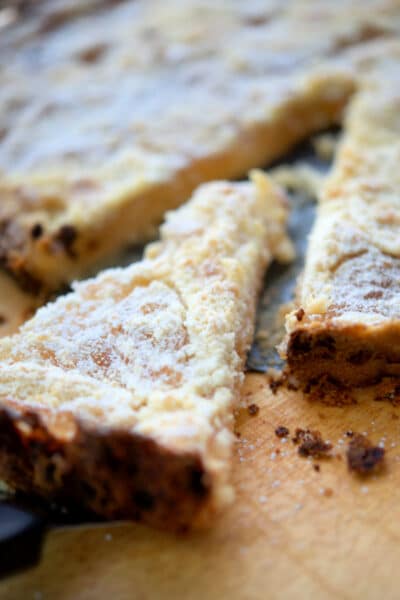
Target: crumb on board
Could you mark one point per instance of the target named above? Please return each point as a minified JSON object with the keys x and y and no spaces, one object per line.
{"x":281,"y":431}
{"x":3,"y":320}
{"x":324,"y":145}
{"x":311,"y":443}
{"x":363,"y":457}
{"x":329,"y":391}
{"x":275,"y":384}
{"x":327,"y":492}
{"x":317,"y":468}
{"x":253,"y":409}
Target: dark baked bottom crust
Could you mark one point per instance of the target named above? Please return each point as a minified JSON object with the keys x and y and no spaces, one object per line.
{"x":352,"y":356}
{"x":114,"y":473}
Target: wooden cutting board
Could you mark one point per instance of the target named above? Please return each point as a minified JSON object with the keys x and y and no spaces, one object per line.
{"x":293,"y":532}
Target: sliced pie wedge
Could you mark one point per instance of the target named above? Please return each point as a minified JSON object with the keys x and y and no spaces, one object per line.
{"x":120,"y":395}
{"x":347,"y":324}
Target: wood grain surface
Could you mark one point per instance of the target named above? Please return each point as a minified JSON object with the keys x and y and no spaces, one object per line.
{"x":293,"y":532}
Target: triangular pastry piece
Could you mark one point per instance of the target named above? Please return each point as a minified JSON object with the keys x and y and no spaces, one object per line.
{"x":120,"y":395}
{"x":346,"y":326}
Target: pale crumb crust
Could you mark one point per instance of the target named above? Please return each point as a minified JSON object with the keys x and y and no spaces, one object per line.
{"x":325,"y":145}
{"x":112,"y":113}
{"x":300,"y":177}
{"x":120,"y":396}
{"x":346,"y":326}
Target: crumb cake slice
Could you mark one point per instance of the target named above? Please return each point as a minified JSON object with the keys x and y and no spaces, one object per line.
{"x":120,"y":395}
{"x":112,"y":113}
{"x":347,"y":323}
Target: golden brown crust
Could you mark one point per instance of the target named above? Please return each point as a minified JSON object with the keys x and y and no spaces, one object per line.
{"x":116,"y":474}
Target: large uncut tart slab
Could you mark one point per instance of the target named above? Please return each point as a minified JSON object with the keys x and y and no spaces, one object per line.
{"x":113,"y":112}
{"x":120,"y":395}
{"x":347,"y":323}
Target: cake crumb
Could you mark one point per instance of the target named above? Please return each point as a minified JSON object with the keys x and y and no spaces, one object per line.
{"x":327,"y":492}
{"x":299,"y":177}
{"x":363,"y":457}
{"x":253,"y":409}
{"x":325,"y":145}
{"x":281,"y":431}
{"x":275,"y":384}
{"x":317,"y":468}
{"x":311,"y":443}
{"x":299,"y":314}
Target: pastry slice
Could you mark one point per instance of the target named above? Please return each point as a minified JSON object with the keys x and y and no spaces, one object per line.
{"x":112,"y":113}
{"x":119,"y":397}
{"x":347,"y":323}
